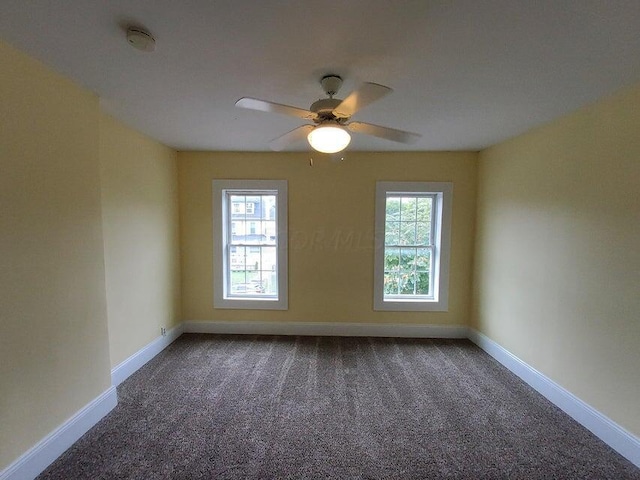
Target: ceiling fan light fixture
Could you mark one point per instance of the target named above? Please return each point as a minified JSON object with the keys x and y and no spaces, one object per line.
{"x":329,"y":138}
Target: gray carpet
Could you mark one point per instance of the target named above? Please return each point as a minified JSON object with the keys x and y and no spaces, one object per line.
{"x":263,"y":407}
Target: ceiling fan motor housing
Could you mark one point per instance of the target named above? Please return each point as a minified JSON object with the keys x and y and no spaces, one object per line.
{"x":324,"y":108}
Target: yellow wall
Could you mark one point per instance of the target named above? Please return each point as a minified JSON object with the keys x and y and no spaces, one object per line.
{"x":557,"y":278}
{"x":331,"y":221}
{"x":54,"y":353}
{"x":140,"y":224}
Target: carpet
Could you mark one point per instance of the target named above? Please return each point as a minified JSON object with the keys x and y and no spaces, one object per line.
{"x":276,"y":407}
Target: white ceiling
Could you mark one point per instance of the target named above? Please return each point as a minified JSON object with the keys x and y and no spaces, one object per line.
{"x":466,"y":74}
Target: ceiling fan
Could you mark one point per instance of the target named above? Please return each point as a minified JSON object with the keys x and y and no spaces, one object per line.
{"x":330,"y":131}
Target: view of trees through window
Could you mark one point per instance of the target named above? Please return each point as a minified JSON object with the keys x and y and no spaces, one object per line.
{"x":408,"y":245}
{"x":252,"y":260}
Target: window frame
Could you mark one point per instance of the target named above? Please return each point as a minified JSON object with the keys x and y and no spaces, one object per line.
{"x":222,"y":224}
{"x":441,"y":226}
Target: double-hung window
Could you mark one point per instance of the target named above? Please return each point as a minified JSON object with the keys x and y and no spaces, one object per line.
{"x":250,"y":244}
{"x":413,"y":225}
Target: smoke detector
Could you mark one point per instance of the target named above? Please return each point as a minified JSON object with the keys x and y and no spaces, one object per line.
{"x":141,"y":39}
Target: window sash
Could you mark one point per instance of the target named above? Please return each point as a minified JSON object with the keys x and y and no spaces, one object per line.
{"x":415,"y":271}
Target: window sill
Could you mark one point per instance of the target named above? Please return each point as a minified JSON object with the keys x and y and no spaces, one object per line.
{"x":249,"y":303}
{"x":410,"y":306}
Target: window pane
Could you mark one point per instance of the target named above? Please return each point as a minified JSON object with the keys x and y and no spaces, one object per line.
{"x":392,"y":212}
{"x":423,"y":227}
{"x":269,"y":232}
{"x":408,"y":208}
{"x":423,"y":233}
{"x":268,"y":207}
{"x":268,"y":260}
{"x":423,"y":259}
{"x":424,"y":209}
{"x":392,"y":259}
{"x":237,"y":206}
{"x":270,"y":282}
{"x":407,"y":282}
{"x":423,"y":283}
{"x":392,"y":233}
{"x":390,"y":283}
{"x":407,"y":258}
{"x":253,"y":258}
{"x":238,"y":281}
{"x":423,"y":271}
{"x":238,"y":229}
{"x":408,"y":233}
{"x":237,"y":258}
{"x":251,"y":202}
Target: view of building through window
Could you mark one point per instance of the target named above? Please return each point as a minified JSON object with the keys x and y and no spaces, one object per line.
{"x":252,"y":243}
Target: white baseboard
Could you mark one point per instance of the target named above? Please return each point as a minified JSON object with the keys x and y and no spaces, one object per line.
{"x":622,"y":441}
{"x":328,"y":329}
{"x":41,"y":455}
{"x":123,"y":370}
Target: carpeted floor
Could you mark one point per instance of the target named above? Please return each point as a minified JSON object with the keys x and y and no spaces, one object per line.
{"x":267,"y":407}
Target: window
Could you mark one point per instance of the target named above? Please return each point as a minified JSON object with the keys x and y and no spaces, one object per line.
{"x":250,"y":244}
{"x":413,"y":230}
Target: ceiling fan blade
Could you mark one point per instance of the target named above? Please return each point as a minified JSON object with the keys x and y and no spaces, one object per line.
{"x":383,"y":132}
{"x":264,"y":106}
{"x":293,"y":136}
{"x":367,"y":93}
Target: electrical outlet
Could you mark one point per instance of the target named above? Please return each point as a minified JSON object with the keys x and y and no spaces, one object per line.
{"x":163,"y":331}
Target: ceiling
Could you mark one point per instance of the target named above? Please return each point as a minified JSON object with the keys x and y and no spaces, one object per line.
{"x":466,"y":74}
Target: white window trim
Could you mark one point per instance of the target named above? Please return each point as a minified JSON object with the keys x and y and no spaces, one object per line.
{"x":444,"y":193}
{"x":220,"y":222}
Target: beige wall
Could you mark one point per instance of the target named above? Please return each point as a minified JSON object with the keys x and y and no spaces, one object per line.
{"x":557,"y":278}
{"x":54,"y":353}
{"x":331,"y":220}
{"x":140,"y":224}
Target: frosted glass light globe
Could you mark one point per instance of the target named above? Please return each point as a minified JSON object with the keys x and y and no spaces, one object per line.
{"x":329,"y":138}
